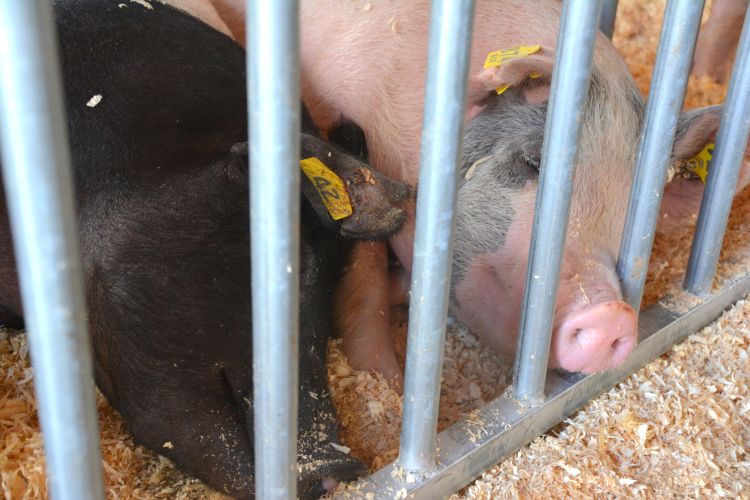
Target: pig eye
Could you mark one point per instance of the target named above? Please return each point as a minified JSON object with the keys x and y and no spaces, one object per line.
{"x":532,"y":161}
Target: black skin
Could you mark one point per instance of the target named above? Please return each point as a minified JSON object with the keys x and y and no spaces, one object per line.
{"x":162,"y":196}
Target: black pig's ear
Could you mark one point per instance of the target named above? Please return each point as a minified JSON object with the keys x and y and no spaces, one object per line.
{"x":349,"y":137}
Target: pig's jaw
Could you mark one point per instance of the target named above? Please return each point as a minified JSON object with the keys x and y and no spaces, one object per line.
{"x":593,"y":329}
{"x":489,"y":306}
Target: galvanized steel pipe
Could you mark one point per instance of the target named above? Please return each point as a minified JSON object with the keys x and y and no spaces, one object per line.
{"x":274,"y":117}
{"x":607,"y":18}
{"x":39,"y":186}
{"x":442,"y":134}
{"x":570,"y":83}
{"x":676,"y":45}
{"x":723,"y":173}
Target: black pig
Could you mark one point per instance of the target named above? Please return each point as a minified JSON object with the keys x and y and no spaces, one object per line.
{"x":156,"y":107}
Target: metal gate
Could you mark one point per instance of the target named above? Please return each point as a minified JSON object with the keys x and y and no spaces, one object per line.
{"x":37,"y":177}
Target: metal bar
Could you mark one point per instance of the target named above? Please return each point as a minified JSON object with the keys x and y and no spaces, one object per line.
{"x":39,"y":186}
{"x":497,"y":430}
{"x":723,"y":173}
{"x":274,"y":117}
{"x":681,"y":21}
{"x":445,"y":102}
{"x":570,"y":83}
{"x":607,"y":19}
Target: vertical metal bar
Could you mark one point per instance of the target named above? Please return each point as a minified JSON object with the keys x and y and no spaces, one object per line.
{"x":442,"y":132}
{"x":681,"y":21}
{"x":570,"y":83}
{"x":607,"y":18}
{"x":274,"y":115}
{"x":724,"y":171}
{"x":39,"y":186}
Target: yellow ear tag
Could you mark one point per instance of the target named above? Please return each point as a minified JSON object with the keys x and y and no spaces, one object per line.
{"x":698,"y":164}
{"x":330,"y":187}
{"x":502,"y":88}
{"x":497,"y":58}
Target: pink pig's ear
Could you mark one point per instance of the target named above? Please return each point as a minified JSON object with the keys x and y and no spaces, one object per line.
{"x":511,"y":73}
{"x":695,"y":129}
{"x":682,"y":197}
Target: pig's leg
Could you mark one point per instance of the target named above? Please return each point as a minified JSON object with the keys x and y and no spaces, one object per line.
{"x":718,"y":39}
{"x":203,"y":430}
{"x":362,"y":312}
{"x":10,"y":293}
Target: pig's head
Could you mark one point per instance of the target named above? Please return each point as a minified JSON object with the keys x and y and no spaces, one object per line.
{"x":594,"y":329}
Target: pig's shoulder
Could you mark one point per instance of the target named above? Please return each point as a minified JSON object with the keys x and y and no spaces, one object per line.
{"x":160,"y":88}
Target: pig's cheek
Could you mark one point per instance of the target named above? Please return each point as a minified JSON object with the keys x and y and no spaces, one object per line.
{"x":488,"y":307}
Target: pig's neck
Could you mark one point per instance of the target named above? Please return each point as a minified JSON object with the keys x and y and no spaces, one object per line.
{"x":382,"y":96}
{"x":380,"y":93}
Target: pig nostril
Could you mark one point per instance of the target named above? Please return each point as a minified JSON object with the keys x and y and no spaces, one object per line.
{"x":576,"y":332}
{"x":615,"y":344}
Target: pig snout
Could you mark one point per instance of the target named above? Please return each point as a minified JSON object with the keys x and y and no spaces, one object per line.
{"x":595,"y":338}
{"x":325,"y":477}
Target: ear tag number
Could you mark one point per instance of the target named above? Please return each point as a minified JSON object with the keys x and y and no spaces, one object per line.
{"x":330,"y":187}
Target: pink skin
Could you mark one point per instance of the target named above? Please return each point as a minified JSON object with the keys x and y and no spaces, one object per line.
{"x":365,"y":61}
{"x":593,"y":329}
{"x":718,"y":38}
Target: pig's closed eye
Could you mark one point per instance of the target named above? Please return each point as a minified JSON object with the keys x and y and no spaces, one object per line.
{"x":532,"y":161}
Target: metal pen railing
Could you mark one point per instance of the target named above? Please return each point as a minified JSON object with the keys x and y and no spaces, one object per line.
{"x":442,"y":134}
{"x":575,"y":49}
{"x":37,"y":176}
{"x":724,"y":170}
{"x":667,"y":93}
{"x":39,"y":185}
{"x":274,"y":125}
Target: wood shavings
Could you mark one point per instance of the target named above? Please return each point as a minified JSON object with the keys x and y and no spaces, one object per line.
{"x":144,"y":3}
{"x":680,"y":427}
{"x":342,"y":449}
{"x":94,"y":101}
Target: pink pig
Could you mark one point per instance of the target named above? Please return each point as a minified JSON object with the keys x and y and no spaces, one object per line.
{"x":718,"y":38}
{"x":364,"y":62}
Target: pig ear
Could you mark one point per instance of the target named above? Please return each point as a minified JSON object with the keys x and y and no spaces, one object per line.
{"x":512,"y":73}
{"x":682,"y":197}
{"x":695,"y":129}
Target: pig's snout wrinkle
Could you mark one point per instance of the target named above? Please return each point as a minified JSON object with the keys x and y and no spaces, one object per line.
{"x":597,"y":337}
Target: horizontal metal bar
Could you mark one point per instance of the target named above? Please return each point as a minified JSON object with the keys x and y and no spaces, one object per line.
{"x":445,"y":99}
{"x":39,"y":187}
{"x":274,"y":118}
{"x":681,"y":21}
{"x":499,"y":429}
{"x":570,"y":83}
{"x":724,"y":169}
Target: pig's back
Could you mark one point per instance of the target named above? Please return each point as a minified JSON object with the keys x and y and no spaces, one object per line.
{"x":150,"y":117}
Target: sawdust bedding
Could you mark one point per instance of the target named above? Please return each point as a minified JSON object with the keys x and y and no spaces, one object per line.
{"x":678,"y":427}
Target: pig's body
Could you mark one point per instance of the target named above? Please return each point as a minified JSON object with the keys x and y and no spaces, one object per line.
{"x":495,"y":205}
{"x":366,"y":61}
{"x":162,"y":199}
{"x":718,"y":38}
